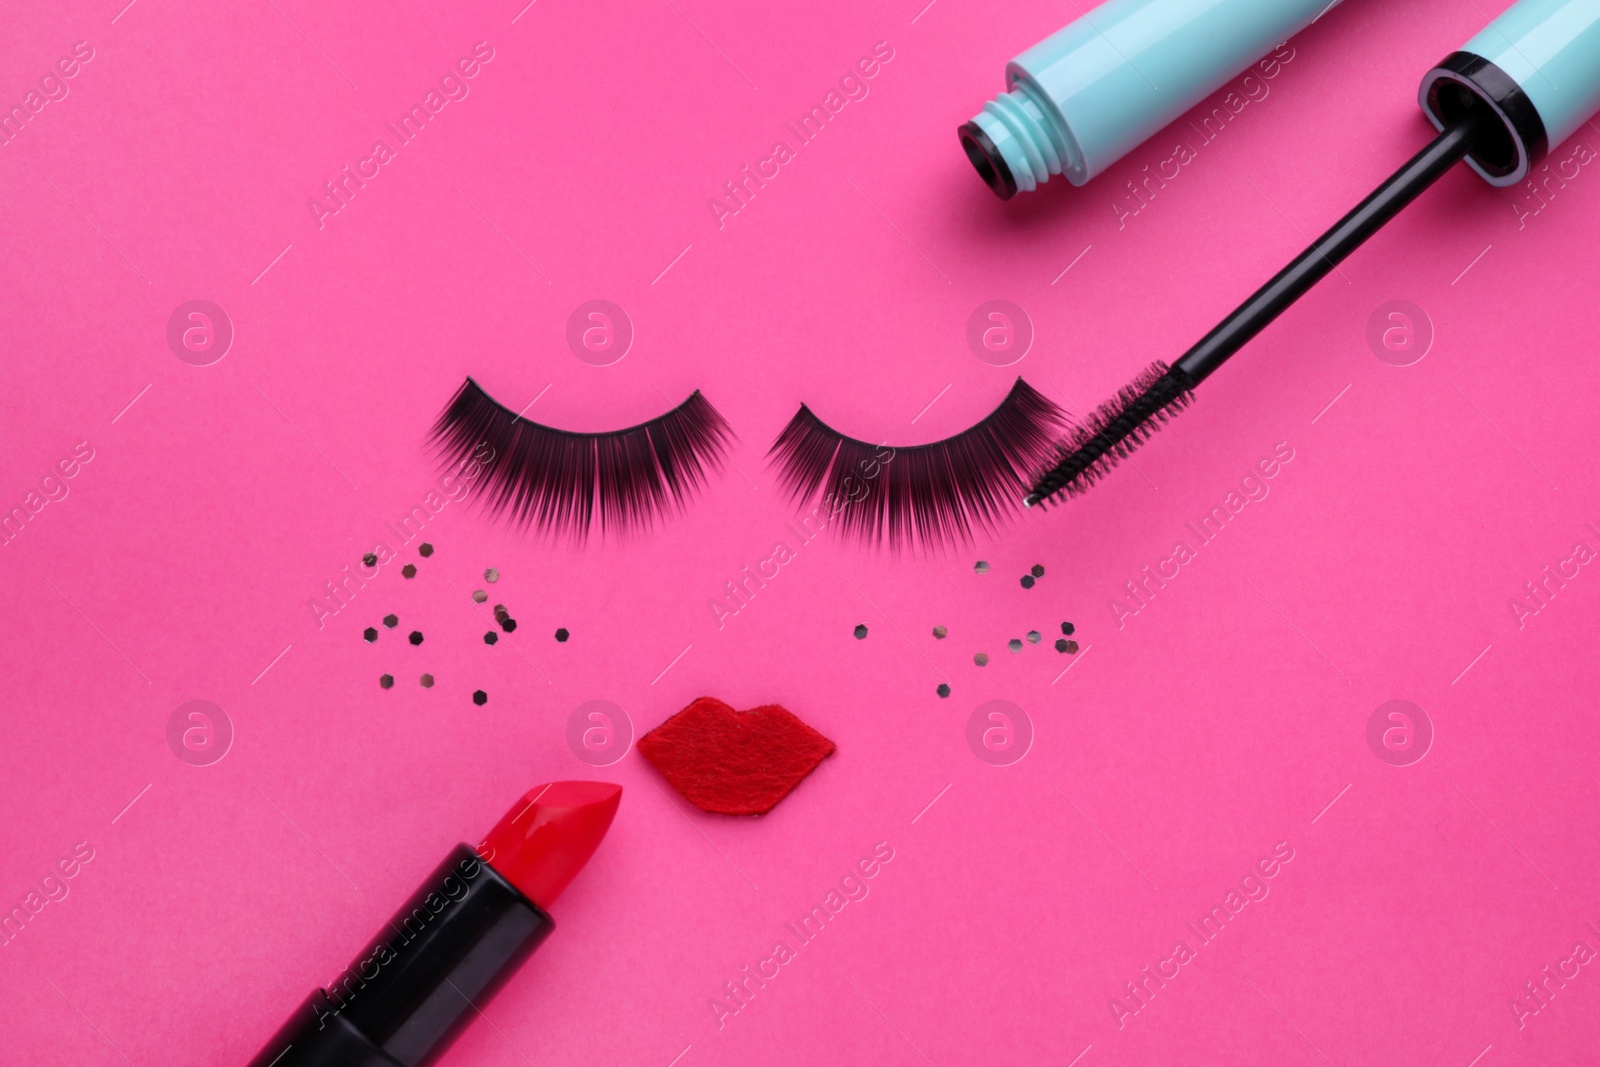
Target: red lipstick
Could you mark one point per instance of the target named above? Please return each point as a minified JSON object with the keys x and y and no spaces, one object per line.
{"x":454,"y":943}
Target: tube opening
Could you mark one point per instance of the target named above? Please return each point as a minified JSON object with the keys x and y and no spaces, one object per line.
{"x":1493,"y":148}
{"x":1505,"y":149}
{"x":987,"y":160}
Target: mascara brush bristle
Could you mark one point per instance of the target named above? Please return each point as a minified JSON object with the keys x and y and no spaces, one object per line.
{"x":1112,"y":432}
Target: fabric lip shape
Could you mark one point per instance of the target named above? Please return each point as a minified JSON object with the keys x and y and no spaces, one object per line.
{"x":730,"y":762}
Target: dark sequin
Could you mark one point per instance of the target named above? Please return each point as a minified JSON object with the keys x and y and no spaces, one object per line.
{"x":425,"y":550}
{"x":491,"y":637}
{"x":427,"y":681}
{"x":1038,"y":571}
{"x":409,"y":570}
{"x":391,"y":621}
{"x":1067,"y":628}
{"x":386,"y":680}
{"x":1027,"y":581}
{"x":479,"y":697}
{"x":370,"y":633}
{"x":416,"y":637}
{"x":861,"y":631}
{"x":562,"y":634}
{"x":943,"y":690}
{"x":508,"y":624}
{"x":370,"y":559}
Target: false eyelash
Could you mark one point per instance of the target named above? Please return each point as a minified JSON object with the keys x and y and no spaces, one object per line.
{"x":930,"y":495}
{"x":563,"y":482}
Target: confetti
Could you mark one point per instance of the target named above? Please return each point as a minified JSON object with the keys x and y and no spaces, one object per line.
{"x":416,"y":637}
{"x":479,"y":596}
{"x":491,"y":575}
{"x":1034,"y":637}
{"x":562,"y":634}
{"x":1027,"y":581}
{"x":508,"y":625}
{"x":386,"y":680}
{"x":491,"y":637}
{"x":409,"y":570}
{"x":1015,"y":644}
{"x":425,"y":550}
{"x":981,"y":567}
{"x":940,"y":633}
{"x":1067,"y":628}
{"x":370,"y":559}
{"x":1038,"y":571}
{"x":861,"y":631}
{"x":1061,"y":644}
{"x":1072,"y":648}
{"x":427,"y":681}
{"x":479,"y":697}
{"x":370,"y":633}
{"x":943,"y":690}
{"x":391,"y":621}
{"x":981,"y":659}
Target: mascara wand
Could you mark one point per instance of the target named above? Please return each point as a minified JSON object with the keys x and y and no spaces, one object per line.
{"x":1526,"y":82}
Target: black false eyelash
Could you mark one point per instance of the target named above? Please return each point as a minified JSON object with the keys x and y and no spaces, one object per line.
{"x":563,"y":482}
{"x":929,"y":495}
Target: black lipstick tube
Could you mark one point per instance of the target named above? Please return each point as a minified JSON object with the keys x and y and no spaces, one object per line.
{"x":408,"y":994}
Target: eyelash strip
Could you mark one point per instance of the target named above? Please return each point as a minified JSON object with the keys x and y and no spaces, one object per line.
{"x":929,"y":495}
{"x":563,"y":482}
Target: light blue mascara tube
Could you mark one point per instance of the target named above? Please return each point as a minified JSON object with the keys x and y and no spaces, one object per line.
{"x":1537,"y":67}
{"x":1086,"y":96}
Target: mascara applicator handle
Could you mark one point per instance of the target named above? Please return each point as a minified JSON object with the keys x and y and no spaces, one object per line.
{"x":1121,"y":425}
{"x":1521,"y":86}
{"x":1524,"y":84}
{"x":1329,"y":250}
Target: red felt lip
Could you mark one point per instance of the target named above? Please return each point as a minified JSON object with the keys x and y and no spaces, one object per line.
{"x":734,"y":762}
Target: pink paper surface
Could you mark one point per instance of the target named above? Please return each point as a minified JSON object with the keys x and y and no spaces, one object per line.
{"x":1227,"y":717}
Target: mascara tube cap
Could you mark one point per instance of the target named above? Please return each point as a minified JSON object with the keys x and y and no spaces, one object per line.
{"x":1089,"y":94}
{"x":1537,"y":67}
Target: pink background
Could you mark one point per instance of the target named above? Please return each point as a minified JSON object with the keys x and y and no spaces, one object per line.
{"x":1221,"y":719}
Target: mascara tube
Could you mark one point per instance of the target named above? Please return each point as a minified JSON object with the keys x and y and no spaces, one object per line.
{"x":1537,"y":68}
{"x":1089,"y":94}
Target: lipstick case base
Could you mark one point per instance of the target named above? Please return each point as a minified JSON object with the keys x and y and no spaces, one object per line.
{"x":403,"y":1000}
